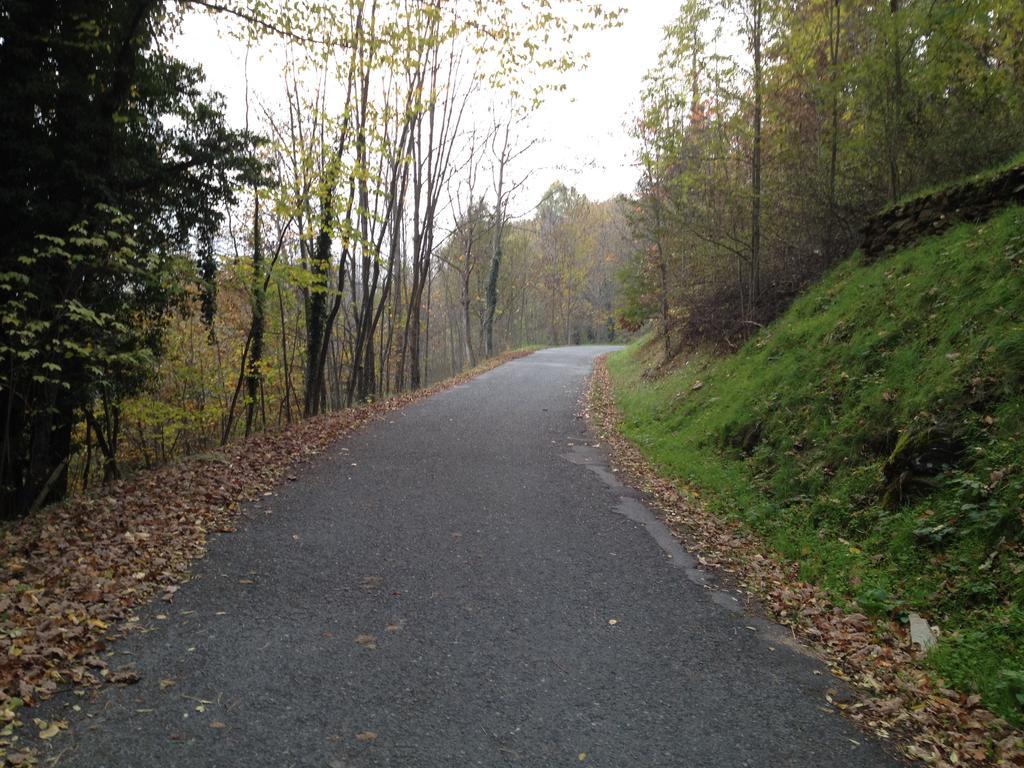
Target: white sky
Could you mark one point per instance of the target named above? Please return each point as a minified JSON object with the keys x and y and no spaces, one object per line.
{"x":585,"y":140}
{"x":588,"y":144}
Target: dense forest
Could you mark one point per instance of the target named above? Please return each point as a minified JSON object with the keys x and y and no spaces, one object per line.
{"x":771,"y":131}
{"x":170,"y":282}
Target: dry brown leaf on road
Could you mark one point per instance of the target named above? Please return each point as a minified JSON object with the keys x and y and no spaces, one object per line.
{"x":367,"y":641}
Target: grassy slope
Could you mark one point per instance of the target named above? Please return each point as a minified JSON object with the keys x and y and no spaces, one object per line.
{"x":931,"y":334}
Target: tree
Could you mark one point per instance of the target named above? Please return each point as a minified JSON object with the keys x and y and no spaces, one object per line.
{"x":504,"y":152}
{"x":119,"y":173}
{"x":114,"y":160}
{"x":758,"y":168}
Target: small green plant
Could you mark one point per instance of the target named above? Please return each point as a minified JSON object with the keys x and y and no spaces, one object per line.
{"x":980,"y":508}
{"x":877,"y":601}
{"x":1012,"y":682}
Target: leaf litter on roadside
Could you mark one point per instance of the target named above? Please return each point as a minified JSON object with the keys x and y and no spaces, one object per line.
{"x":899,"y":700}
{"x":72,"y":574}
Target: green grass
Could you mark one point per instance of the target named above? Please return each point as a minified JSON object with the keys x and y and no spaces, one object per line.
{"x":931,"y":335}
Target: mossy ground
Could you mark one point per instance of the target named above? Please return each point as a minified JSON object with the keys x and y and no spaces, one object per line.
{"x":791,"y":434}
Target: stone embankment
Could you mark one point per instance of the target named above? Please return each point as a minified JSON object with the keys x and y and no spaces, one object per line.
{"x":930,"y":214}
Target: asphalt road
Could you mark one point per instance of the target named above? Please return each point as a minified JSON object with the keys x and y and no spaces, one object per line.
{"x":465,"y":584}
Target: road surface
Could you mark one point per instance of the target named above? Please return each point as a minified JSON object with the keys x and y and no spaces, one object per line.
{"x":462,"y":584}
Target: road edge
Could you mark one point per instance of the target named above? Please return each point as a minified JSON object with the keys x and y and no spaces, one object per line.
{"x":898,"y":702}
{"x":75,"y":573}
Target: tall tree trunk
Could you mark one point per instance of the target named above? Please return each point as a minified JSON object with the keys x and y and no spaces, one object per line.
{"x":662,"y":271}
{"x":416,"y":370}
{"x":254,"y":376}
{"x":491,"y":293}
{"x":834,"y":32}
{"x":895,"y":110}
{"x":466,"y":327}
{"x":426,"y":331}
{"x":415,"y":376}
{"x":663,"y":291}
{"x":755,"y":163}
{"x":285,"y":363}
{"x":316,"y":324}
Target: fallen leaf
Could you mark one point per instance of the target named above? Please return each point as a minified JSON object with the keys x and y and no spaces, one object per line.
{"x":217,"y":724}
{"x":23,"y":757}
{"x":367,"y":641}
{"x":47,"y":730}
{"x":372,"y":582}
{"x":126,"y":676}
{"x":366,"y":736}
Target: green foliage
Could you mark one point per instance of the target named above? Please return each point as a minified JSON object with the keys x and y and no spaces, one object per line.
{"x":863,"y":104}
{"x":1012,"y":683}
{"x":634,"y":304}
{"x":110,"y":343}
{"x":115,"y":162}
{"x":792,"y":433}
